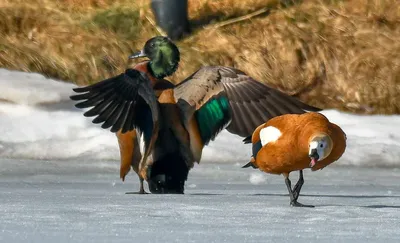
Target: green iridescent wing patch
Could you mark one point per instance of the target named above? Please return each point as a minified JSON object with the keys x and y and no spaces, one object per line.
{"x":212,"y":117}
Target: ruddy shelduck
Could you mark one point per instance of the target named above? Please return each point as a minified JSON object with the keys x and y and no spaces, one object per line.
{"x":294,"y":142}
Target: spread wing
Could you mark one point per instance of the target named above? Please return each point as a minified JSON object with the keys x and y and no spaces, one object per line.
{"x":223,"y":97}
{"x":124,"y":102}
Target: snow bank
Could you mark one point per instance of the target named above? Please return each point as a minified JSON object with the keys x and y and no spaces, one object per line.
{"x":38,"y":121}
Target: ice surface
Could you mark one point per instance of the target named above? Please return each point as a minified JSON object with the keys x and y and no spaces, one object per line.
{"x":45,"y":201}
{"x":38,"y":121}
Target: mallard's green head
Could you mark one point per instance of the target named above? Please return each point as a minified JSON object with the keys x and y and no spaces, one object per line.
{"x":163,"y":54}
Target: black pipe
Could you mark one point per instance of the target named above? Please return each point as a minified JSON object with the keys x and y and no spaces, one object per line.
{"x":172,"y":17}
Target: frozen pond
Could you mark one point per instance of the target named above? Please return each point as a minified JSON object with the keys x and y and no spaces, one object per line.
{"x":83,"y":201}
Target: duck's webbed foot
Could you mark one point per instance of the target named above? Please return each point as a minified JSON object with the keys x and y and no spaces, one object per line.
{"x":295,"y":203}
{"x":294,"y":194}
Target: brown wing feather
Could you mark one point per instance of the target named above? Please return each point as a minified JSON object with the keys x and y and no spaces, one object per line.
{"x":239,"y":117}
{"x":197,"y":89}
{"x":257,"y":98}
{"x":251,"y":102}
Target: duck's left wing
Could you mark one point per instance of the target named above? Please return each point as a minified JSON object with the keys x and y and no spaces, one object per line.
{"x":223,"y":97}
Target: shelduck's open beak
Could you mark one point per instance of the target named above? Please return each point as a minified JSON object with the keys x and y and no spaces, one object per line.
{"x":137,"y":54}
{"x":314,"y":156}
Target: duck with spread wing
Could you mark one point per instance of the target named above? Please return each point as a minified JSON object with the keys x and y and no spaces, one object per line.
{"x":162,"y":128}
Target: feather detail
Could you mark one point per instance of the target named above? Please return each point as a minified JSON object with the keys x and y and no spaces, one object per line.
{"x":251,"y":102}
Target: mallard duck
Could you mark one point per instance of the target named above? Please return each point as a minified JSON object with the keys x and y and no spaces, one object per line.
{"x":295,"y":142}
{"x":174,"y":122}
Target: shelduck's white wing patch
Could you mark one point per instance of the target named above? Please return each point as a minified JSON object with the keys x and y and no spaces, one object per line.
{"x":269,"y":134}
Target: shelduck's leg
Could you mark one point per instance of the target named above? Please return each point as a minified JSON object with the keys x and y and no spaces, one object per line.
{"x":299,"y":184}
{"x":293,"y":199}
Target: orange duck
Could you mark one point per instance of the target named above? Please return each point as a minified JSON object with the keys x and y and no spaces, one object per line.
{"x":295,"y":142}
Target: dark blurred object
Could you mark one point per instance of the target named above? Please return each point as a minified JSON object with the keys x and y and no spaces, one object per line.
{"x":172,"y":17}
{"x":289,"y":3}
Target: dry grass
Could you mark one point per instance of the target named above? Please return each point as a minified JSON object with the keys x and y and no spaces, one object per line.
{"x":330,"y":53}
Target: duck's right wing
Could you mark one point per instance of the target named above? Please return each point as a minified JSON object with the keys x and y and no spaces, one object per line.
{"x":123,"y":102}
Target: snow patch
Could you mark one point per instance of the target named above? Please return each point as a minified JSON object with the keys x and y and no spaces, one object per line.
{"x":257,"y":178}
{"x":38,"y":121}
{"x":32,"y":88}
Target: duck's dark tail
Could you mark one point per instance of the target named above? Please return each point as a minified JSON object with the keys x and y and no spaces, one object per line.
{"x":168,"y":174}
{"x":247,"y":139}
{"x":251,"y":163}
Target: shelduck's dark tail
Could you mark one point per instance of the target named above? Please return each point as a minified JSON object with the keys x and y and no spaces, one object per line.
{"x":247,"y":139}
{"x":250,"y":164}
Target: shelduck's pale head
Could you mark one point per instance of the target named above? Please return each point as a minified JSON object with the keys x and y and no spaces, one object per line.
{"x":320,"y":146}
